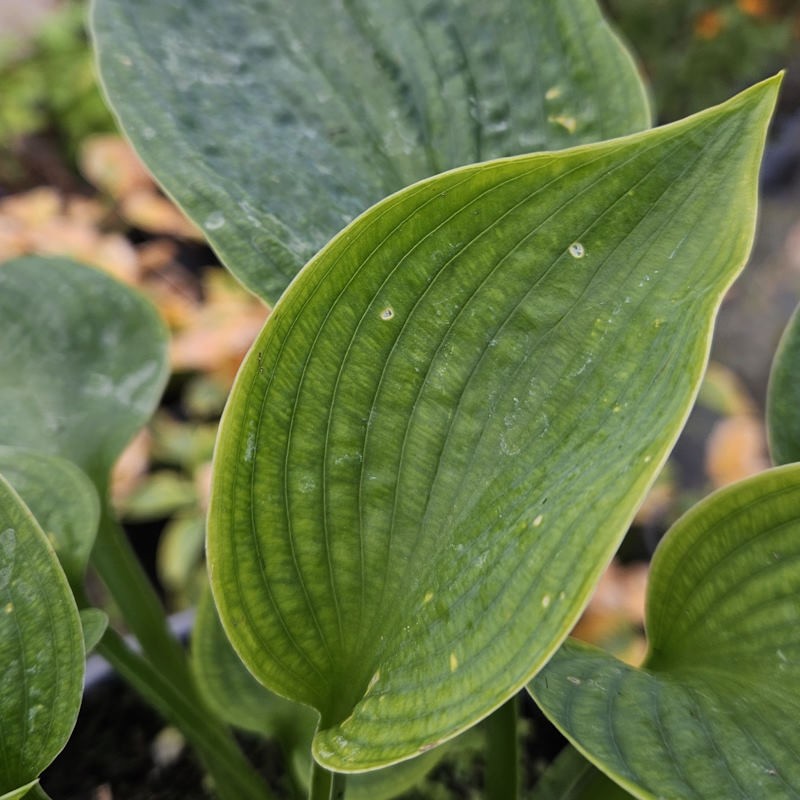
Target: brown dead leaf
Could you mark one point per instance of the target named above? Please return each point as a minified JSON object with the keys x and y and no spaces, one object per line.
{"x":171,"y":288}
{"x":219,"y":332}
{"x":709,"y":24}
{"x":154,"y":213}
{"x":41,"y":222}
{"x":202,"y":482}
{"x":130,"y":468}
{"x":736,"y":449}
{"x":32,"y":208}
{"x":755,"y":8}
{"x":111,"y":252}
{"x":615,"y":615}
{"x":108,"y":162}
{"x":156,"y":255}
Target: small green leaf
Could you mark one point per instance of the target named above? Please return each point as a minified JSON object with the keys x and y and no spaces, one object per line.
{"x":62,"y":499}
{"x":93,"y":623}
{"x":41,"y":648}
{"x":83,"y":361}
{"x":274,"y":123}
{"x":783,"y":397}
{"x":572,"y":777}
{"x":444,"y":429}
{"x":161,"y":494}
{"x":180,"y":551}
{"x":713,"y":713}
{"x":15,"y":794}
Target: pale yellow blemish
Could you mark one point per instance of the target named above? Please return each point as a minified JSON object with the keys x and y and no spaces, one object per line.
{"x":9,"y":608}
{"x":373,"y":680}
{"x":387,"y":313}
{"x":569,"y":124}
{"x":546,"y":601}
{"x":428,"y":597}
{"x":538,"y":521}
{"x":553,"y":93}
{"x":453,"y":662}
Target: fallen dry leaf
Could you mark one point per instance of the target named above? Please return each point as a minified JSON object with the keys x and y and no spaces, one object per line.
{"x":736,"y":449}
{"x":218,"y":333}
{"x":615,"y":615}
{"x":109,"y":163}
{"x":130,"y":468}
{"x":41,"y":222}
{"x":154,"y":213}
{"x":709,"y":24}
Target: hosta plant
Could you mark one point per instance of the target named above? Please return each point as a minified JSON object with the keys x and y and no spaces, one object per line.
{"x":442,"y":433}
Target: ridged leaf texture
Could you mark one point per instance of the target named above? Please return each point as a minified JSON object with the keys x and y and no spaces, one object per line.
{"x":712,"y":714}
{"x":274,"y":123}
{"x":446,"y":425}
{"x":41,"y":648}
{"x":238,"y":698}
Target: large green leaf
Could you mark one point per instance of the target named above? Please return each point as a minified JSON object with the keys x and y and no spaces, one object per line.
{"x":62,"y":499}
{"x":273,"y":123}
{"x":41,"y":648}
{"x":446,"y":425}
{"x":783,"y":397}
{"x":713,"y":713}
{"x":83,"y":361}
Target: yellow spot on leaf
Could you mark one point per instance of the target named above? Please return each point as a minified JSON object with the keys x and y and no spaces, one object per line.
{"x":453,"y":662}
{"x":569,"y":124}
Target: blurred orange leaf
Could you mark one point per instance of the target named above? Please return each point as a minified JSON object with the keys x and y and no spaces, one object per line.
{"x":736,"y":449}
{"x":150,"y":211}
{"x":755,"y":8}
{"x":40,"y":221}
{"x":709,"y":24}
{"x":614,"y":618}
{"x":218,"y":333}
{"x":130,"y":468}
{"x":109,"y":163}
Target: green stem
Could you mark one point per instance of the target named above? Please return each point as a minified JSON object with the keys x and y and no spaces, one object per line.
{"x":234,"y":777}
{"x":326,"y":785}
{"x":132,"y":591}
{"x":502,"y":753}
